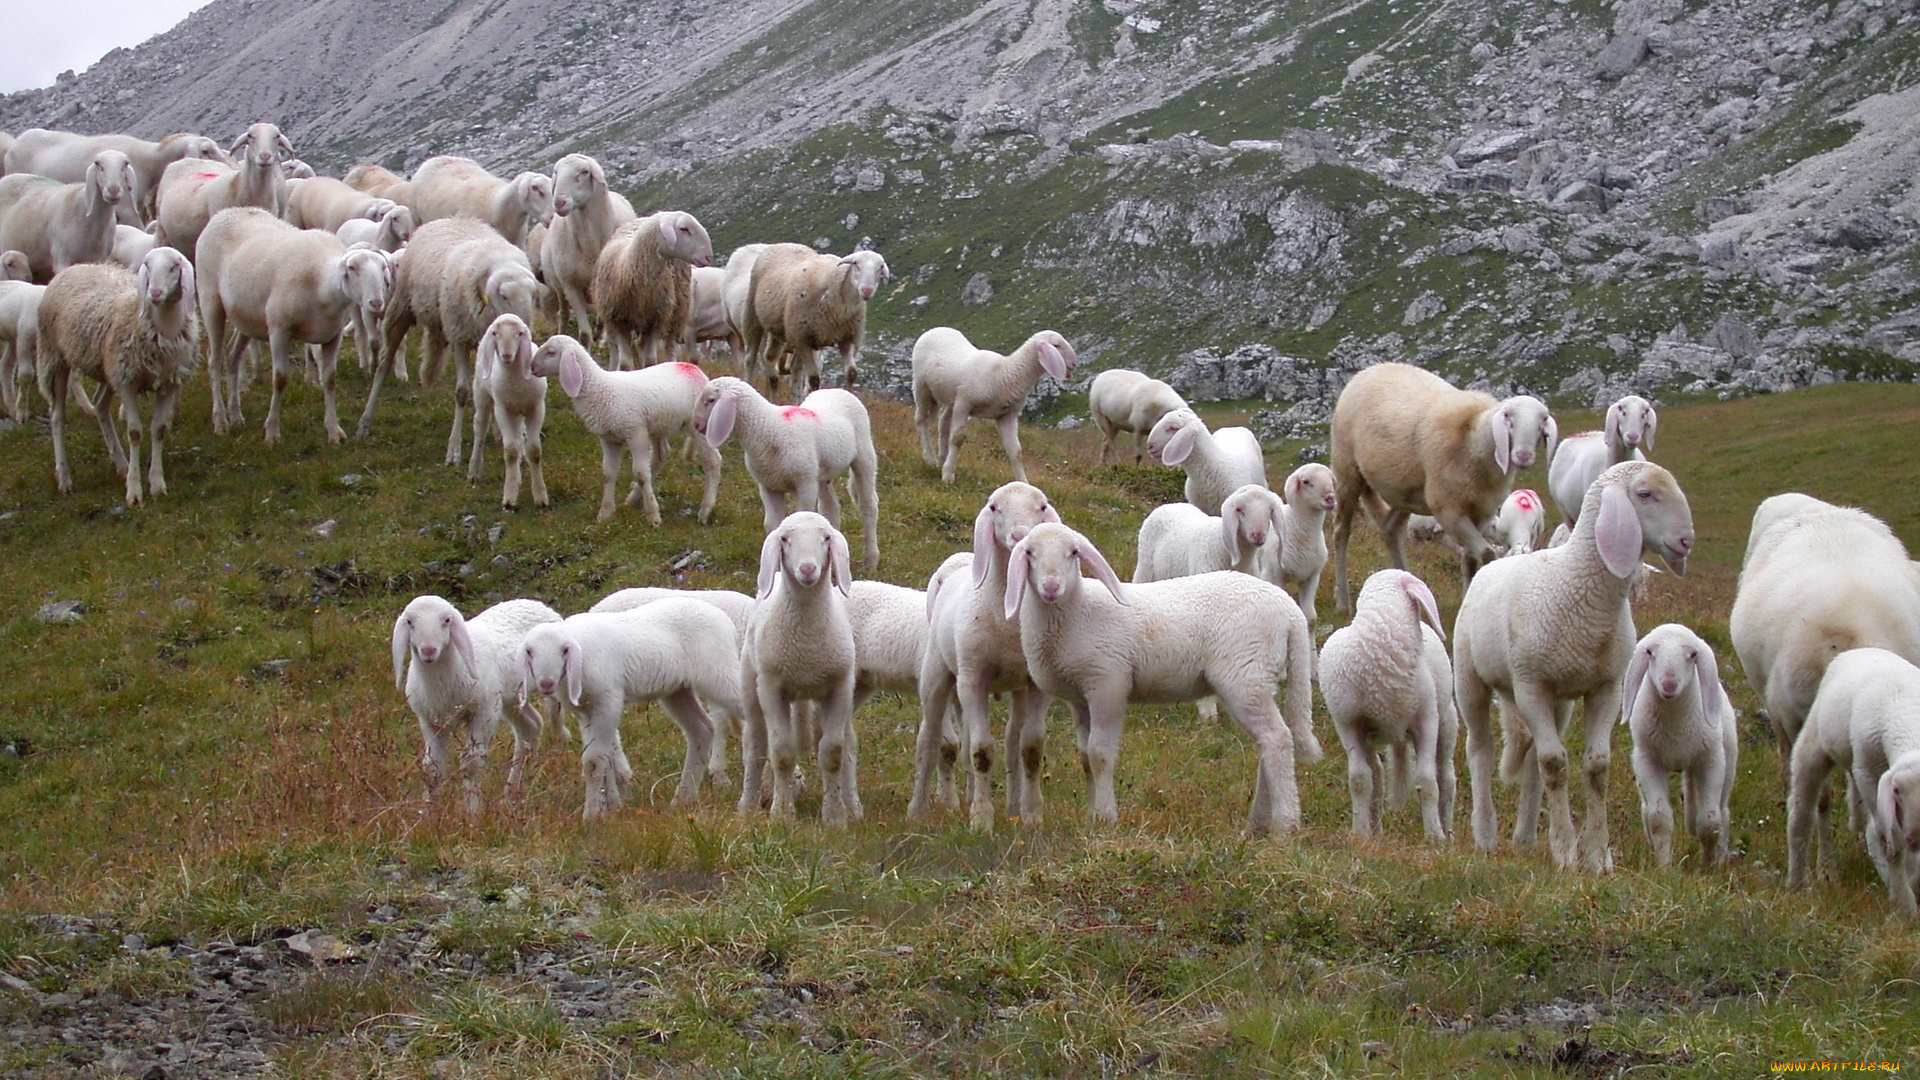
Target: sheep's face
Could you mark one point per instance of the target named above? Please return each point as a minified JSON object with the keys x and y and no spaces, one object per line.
{"x":1641,"y":507}
{"x":1631,"y":422}
{"x":1248,"y":517}
{"x":15,"y":267}
{"x":549,"y":663}
{"x":577,"y":179}
{"x":1898,"y":803}
{"x":111,"y":174}
{"x":201,"y":148}
{"x":427,"y":629}
{"x":368,"y":277}
{"x":808,"y":550}
{"x":683,"y":237}
{"x":1520,"y":426}
{"x":261,"y":147}
{"x":513,"y":288}
{"x":1311,"y":487}
{"x":535,"y":192}
{"x":1011,"y":512}
{"x":508,"y":343}
{"x":1047,"y":564}
{"x":396,"y":225}
{"x":717,"y":407}
{"x":165,"y":277}
{"x":867,"y":271}
{"x":1673,"y":661}
{"x":1175,"y":432}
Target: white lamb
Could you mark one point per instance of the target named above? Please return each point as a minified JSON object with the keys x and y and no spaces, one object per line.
{"x":953,"y":381}
{"x":1123,"y":400}
{"x":597,"y":663}
{"x":321,"y":202}
{"x":1311,"y":491}
{"x":1866,"y":719}
{"x":1180,"y":539}
{"x":19,"y":342}
{"x":1389,"y":690}
{"x":798,"y":451}
{"x":736,"y":606}
{"x":60,"y":225}
{"x":389,"y":232}
{"x":1581,"y":458}
{"x":1522,"y":519}
{"x":1542,"y":629}
{"x":638,"y":412}
{"x":130,"y":245}
{"x":1224,"y":633}
{"x":506,"y":390}
{"x":65,"y":156}
{"x":1682,"y":722}
{"x":459,"y":674}
{"x":800,"y":648}
{"x":1217,"y":462}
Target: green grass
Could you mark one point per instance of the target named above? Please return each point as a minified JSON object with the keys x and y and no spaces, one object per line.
{"x":167,"y":777}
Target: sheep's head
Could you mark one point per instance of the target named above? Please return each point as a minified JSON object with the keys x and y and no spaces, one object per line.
{"x":549,"y":663}
{"x":396,"y":225}
{"x":1011,"y":512}
{"x":427,"y":628}
{"x":261,"y":147}
{"x":1172,"y":439}
{"x":511,"y":286}
{"x":508,"y":341}
{"x":1631,"y":422}
{"x":1520,"y":521}
{"x":564,"y":356}
{"x":1669,"y":660}
{"x":683,"y":237}
{"x":577,"y":179}
{"x":14,"y":266}
{"x":1311,"y":487}
{"x":111,"y":175}
{"x":807,"y":550}
{"x":1056,"y":354}
{"x":1047,"y":564}
{"x":164,"y":277}
{"x":534,"y":192}
{"x":866,"y":271}
{"x":1898,"y":802}
{"x":201,"y":148}
{"x":1250,"y":515}
{"x":1395,"y":591}
{"x":718,"y":407}
{"x":295,"y":169}
{"x":366,"y":275}
{"x":1635,"y":506}
{"x":1519,"y":425}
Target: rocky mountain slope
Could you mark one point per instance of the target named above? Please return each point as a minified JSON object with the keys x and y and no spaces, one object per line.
{"x":1677,"y":196}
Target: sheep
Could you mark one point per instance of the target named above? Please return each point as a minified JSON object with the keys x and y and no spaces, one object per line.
{"x":1631,"y":423}
{"x":953,"y":381}
{"x":458,"y":275}
{"x":736,"y":606}
{"x":505,"y":386}
{"x":192,"y":191}
{"x":1865,"y":719}
{"x":1222,"y":633}
{"x":130,"y":245}
{"x":459,"y":674}
{"x":1516,"y":529}
{"x":134,"y":333}
{"x":736,"y":296}
{"x":268,"y":281}
{"x":797,"y":451}
{"x":1311,"y":491}
{"x":57,"y":225}
{"x":19,"y":341}
{"x":295,"y":169}
{"x":321,"y":202}
{"x":706,"y":315}
{"x":1817,"y":580}
{"x":586,"y":214}
{"x":378,"y":181}
{"x":389,"y":232}
{"x":1682,"y":722}
{"x":1406,"y":442}
{"x":802,"y":302}
{"x":1180,"y":539}
{"x":1217,"y":462}
{"x":446,"y":186}
{"x":800,"y":648}
{"x":15,"y":266}
{"x":638,"y":410}
{"x":674,"y":651}
{"x":65,"y":156}
{"x":1541,"y":629}
{"x":1389,"y":690}
{"x":643,"y":283}
{"x":1123,"y":400}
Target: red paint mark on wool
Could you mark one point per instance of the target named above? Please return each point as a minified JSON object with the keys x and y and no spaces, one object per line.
{"x":795,"y":412}
{"x":206,"y":176}
{"x":691,"y":371}
{"x":1525,"y":499}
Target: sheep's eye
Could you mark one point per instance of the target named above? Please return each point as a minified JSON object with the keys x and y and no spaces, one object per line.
{"x":1645,"y":494}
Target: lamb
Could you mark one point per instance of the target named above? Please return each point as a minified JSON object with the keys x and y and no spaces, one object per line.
{"x":953,"y":381}
{"x":59,"y":225}
{"x":1217,"y":463}
{"x":505,"y":386}
{"x":638,"y":410}
{"x":15,"y":266}
{"x":1389,"y":690}
{"x":130,"y":245}
{"x":191,"y":192}
{"x":1311,"y":491}
{"x":65,"y":156}
{"x":803,"y":302}
{"x":459,"y":674}
{"x":295,"y":169}
{"x":1631,"y":422}
{"x":1180,"y":539}
{"x":973,"y":652}
{"x":643,"y":283}
{"x":134,"y":333}
{"x":706,"y":315}
{"x":446,"y":186}
{"x":321,"y":202}
{"x":797,"y":451}
{"x":389,"y":232}
{"x":19,"y":341}
{"x":1865,"y":719}
{"x":1682,"y":722}
{"x":1123,"y":400}
{"x":1405,"y":442}
{"x":735,"y":606}
{"x":269,"y":281}
{"x":800,"y":648}
{"x":736,"y":296}
{"x":1222,"y":633}
{"x":1517,"y":528}
{"x":378,"y":181}
{"x":1540,"y":629}
{"x":586,"y":214}
{"x":1817,"y":580}
{"x":674,"y":651}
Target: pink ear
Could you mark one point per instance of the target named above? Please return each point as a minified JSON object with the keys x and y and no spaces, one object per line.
{"x":982,"y":543}
{"x":1050,"y":514}
{"x":572,"y":375}
{"x":771,"y":551}
{"x":666,"y":224}
{"x":571,"y":664}
{"x":1230,"y":520}
{"x":463,"y":642}
{"x":1713,"y":698}
{"x":842,"y":563}
{"x":720,"y":421}
{"x":1636,"y":674}
{"x":1424,"y":603}
{"x":402,"y":642}
{"x":488,"y":355}
{"x":1553,"y":440}
{"x":1892,"y":820}
{"x":523,"y":353}
{"x":1503,"y":440}
{"x":1613,"y":424}
{"x":140,"y":279}
{"x":523,"y":663}
{"x":1617,"y":532}
{"x":1646,"y":437}
{"x":1291,"y":489}
{"x":1181,"y":444}
{"x":1091,"y":558}
{"x":1052,"y":362}
{"x":1016,"y":579}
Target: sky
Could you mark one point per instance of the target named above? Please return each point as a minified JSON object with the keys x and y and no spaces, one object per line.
{"x":42,"y":38}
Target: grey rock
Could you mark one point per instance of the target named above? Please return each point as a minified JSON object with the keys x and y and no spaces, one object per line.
{"x":1864,"y":230}
{"x":1719,"y":208}
{"x":1502,"y":145}
{"x":1620,"y":56}
{"x":61,"y":611}
{"x":1734,"y":337}
{"x":869,"y":178}
{"x":1424,"y":307}
{"x":1483,"y":52}
{"x":1070,"y":422}
{"x":978,"y":290}
{"x":1729,"y":112}
{"x":1583,"y":195}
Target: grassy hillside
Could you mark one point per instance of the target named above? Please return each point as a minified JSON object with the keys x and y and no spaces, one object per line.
{"x":216,"y":753}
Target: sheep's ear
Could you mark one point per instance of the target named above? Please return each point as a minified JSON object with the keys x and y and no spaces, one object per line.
{"x":572,"y":374}
{"x":1230,"y":532}
{"x":1713,"y":699}
{"x":237,"y":144}
{"x":402,"y":644}
{"x":1646,"y":437}
{"x":982,"y":544}
{"x":523,"y":353}
{"x":1048,"y":513}
{"x":1613,"y":424}
{"x":462,"y":641}
{"x":933,"y":595}
{"x":1052,"y":362}
{"x":186,"y":277}
{"x":721,"y":419}
{"x":523,"y":663}
{"x":842,"y":561}
{"x":93,"y":174}
{"x":571,"y":663}
{"x":771,"y":553}
{"x":1553,"y":440}
{"x":666,"y":223}
{"x":487,"y":356}
{"x":1016,"y":579}
{"x":1893,"y":823}
{"x":1503,"y":440}
{"x":1291,"y":489}
{"x":1091,"y":558}
{"x":285,"y":146}
{"x":1424,"y":605}
{"x":140,"y":278}
{"x":1636,"y":675}
{"x":1180,"y":446}
{"x":1617,"y":532}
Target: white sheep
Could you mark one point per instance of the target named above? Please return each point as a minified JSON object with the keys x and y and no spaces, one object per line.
{"x":800,"y":648}
{"x":736,"y":606}
{"x":377,"y":180}
{"x":295,"y":169}
{"x":134,"y":333}
{"x":130,"y":245}
{"x":192,"y":191}
{"x":638,"y":411}
{"x":447,"y":186}
{"x":736,"y":297}
{"x":1311,"y":491}
{"x":973,"y":652}
{"x":1522,"y":519}
{"x":1541,"y":629}
{"x":803,"y":302}
{"x":1217,"y":462}
{"x":506,"y":389}
{"x":706,"y":314}
{"x":586,"y":214}
{"x":65,"y":156}
{"x":1630,"y":427}
{"x":389,"y":232}
{"x":59,"y":225}
{"x":1406,"y":442}
{"x":1123,"y":400}
{"x":1180,"y":539}
{"x":459,"y":675}
{"x":643,"y":284}
{"x":1817,"y":580}
{"x":19,"y":341}
{"x":597,"y":663}
{"x":1223,"y":633}
{"x":953,"y":381}
{"x":15,"y":266}
{"x":796,"y":452}
{"x":1389,"y":690}
{"x":321,"y":202}
{"x":1865,"y":719}
{"x":1682,"y":722}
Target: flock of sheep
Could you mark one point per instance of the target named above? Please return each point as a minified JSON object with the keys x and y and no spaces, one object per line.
{"x":249,"y":247}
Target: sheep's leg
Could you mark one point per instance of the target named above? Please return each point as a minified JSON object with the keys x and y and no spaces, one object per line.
{"x":481,"y":725}
{"x":165,"y":404}
{"x":773,"y":507}
{"x":973,"y":688}
{"x":925,"y":416}
{"x":530,"y":453}
{"x":610,"y":450}
{"x":1475,"y":701}
{"x":380,"y":367}
{"x":56,"y":394}
{"x":1656,"y":810}
{"x":130,"y":405}
{"x":1010,"y":442}
{"x":1519,"y":762}
{"x":1360,"y":781}
{"x":213,"y":324}
{"x":753,"y":743}
{"x":1030,"y":751}
{"x":603,"y":763}
{"x":1393,"y":533}
{"x":948,"y":791}
{"x":9,"y":389}
{"x":866,"y":500}
{"x":641,"y":449}
{"x":849,"y":357}
{"x":462,"y":398}
{"x":697,"y":729}
{"x":330,"y":410}
{"x":1435,"y":803}
{"x":725,"y":724}
{"x":1342,"y":532}
{"x":1601,"y":711}
{"x":1387,"y":771}
{"x":103,"y":401}
{"x":1706,"y":819}
{"x":526,"y":723}
{"x":837,"y":750}
{"x":953,"y":431}
{"x":1810,"y":764}
{"x":1107,"y":714}
{"x":936,"y":697}
{"x":433,"y":757}
{"x":828,"y":500}
{"x":781,"y":751}
{"x":512,"y":453}
{"x":280,"y":344}
{"x":1537,"y":709}
{"x":709,"y":472}
{"x":482,"y":420}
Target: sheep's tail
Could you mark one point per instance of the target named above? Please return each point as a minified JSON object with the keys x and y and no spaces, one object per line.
{"x":1297,"y":706}
{"x":1515,"y":742}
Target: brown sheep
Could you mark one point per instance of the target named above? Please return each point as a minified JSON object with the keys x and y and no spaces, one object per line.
{"x":643,"y":284}
{"x":804,"y":303}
